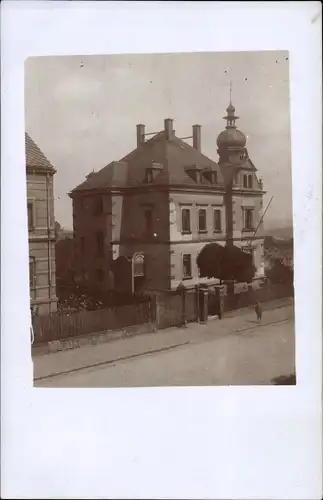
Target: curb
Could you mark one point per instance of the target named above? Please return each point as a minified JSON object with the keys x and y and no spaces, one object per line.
{"x":91,"y":339}
{"x":110,"y":361}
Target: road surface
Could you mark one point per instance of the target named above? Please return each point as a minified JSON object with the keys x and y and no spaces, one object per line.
{"x":249,"y":355}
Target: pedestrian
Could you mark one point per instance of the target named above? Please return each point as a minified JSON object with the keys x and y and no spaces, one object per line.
{"x":258,"y":311}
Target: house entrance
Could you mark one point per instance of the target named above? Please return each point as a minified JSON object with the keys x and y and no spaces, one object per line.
{"x":216,"y":300}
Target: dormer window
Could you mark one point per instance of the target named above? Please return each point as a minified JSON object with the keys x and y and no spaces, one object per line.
{"x":194,"y":172}
{"x":245,"y":181}
{"x":210,"y":175}
{"x":149,"y":175}
{"x":250,"y":181}
{"x":153,"y":171}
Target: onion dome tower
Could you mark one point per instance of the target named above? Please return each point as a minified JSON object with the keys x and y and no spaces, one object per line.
{"x":231,"y":142}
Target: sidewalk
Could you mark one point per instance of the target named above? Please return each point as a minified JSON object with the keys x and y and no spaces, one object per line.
{"x":194,"y":333}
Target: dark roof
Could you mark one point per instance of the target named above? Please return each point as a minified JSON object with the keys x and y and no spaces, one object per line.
{"x":174,"y":155}
{"x":34,"y":156}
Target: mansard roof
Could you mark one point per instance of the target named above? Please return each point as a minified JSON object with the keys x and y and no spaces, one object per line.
{"x":174,"y":158}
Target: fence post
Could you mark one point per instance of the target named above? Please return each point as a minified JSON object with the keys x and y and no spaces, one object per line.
{"x":156,"y":310}
{"x":152,"y":310}
{"x":184,"y":322}
{"x":204,"y":305}
{"x":197,"y":303}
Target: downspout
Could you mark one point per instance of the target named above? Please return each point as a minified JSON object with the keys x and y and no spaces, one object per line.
{"x":229,"y":224}
{"x":49,"y":245}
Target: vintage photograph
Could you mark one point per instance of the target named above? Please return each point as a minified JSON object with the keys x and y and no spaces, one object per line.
{"x":159,"y":201}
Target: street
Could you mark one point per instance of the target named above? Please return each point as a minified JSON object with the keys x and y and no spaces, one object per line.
{"x":234,"y":351}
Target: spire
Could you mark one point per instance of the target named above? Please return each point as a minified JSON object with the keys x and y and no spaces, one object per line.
{"x":231,"y":118}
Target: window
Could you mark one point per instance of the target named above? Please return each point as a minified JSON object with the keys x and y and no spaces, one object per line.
{"x":138,"y":266}
{"x":99,"y":275}
{"x":214,"y":177}
{"x":187,"y":266}
{"x":100,"y":244}
{"x":217,"y":226}
{"x":249,"y":181}
{"x":245,"y":181}
{"x":82,"y":244}
{"x":186,"y":220}
{"x":149,"y":175}
{"x":30,"y":208}
{"x":97,"y":205}
{"x":248,"y":216}
{"x":202,"y":220}
{"x":148,"y":214}
{"x":32,"y":272}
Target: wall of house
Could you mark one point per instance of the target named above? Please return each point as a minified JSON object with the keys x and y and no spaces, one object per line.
{"x":123,"y":224}
{"x":193,"y":202}
{"x":241,"y":202}
{"x":130,"y":235}
{"x":192,"y":243}
{"x":246,"y":238}
{"x":176,"y":262}
{"x":133,"y":219}
{"x":41,"y":244}
{"x":86,"y":224}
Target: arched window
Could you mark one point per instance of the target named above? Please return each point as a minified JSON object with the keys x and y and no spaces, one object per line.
{"x":138,"y":265}
{"x":245,"y":181}
{"x":249,"y":181}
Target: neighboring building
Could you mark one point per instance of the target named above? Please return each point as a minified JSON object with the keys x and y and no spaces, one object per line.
{"x":139,"y":223}
{"x":65,"y":262}
{"x":41,"y":229}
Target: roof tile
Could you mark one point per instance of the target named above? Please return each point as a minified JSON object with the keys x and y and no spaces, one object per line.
{"x":34,"y":156}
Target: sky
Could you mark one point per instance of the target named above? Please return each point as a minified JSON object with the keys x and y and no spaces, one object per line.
{"x":82,"y":112}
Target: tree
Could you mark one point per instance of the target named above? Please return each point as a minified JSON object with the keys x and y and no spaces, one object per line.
{"x":228,"y":263}
{"x":279,"y":273}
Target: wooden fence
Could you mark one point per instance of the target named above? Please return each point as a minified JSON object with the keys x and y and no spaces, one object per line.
{"x":250,"y":297}
{"x":60,"y":326}
{"x":168,"y":309}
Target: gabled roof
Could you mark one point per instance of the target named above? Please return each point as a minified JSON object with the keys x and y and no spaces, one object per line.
{"x":174,"y":155}
{"x":34,"y":156}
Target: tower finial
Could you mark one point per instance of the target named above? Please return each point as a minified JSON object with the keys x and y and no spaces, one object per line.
{"x":230,"y":91}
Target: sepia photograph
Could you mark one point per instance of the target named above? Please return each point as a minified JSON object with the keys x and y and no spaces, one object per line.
{"x":160,"y":222}
{"x":161,"y":215}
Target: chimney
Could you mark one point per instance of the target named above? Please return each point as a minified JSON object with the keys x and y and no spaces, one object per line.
{"x":197,"y":137}
{"x":169,"y":129}
{"x":140,"y":135}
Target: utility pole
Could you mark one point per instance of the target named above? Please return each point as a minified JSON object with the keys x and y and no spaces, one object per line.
{"x":261,"y":218}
